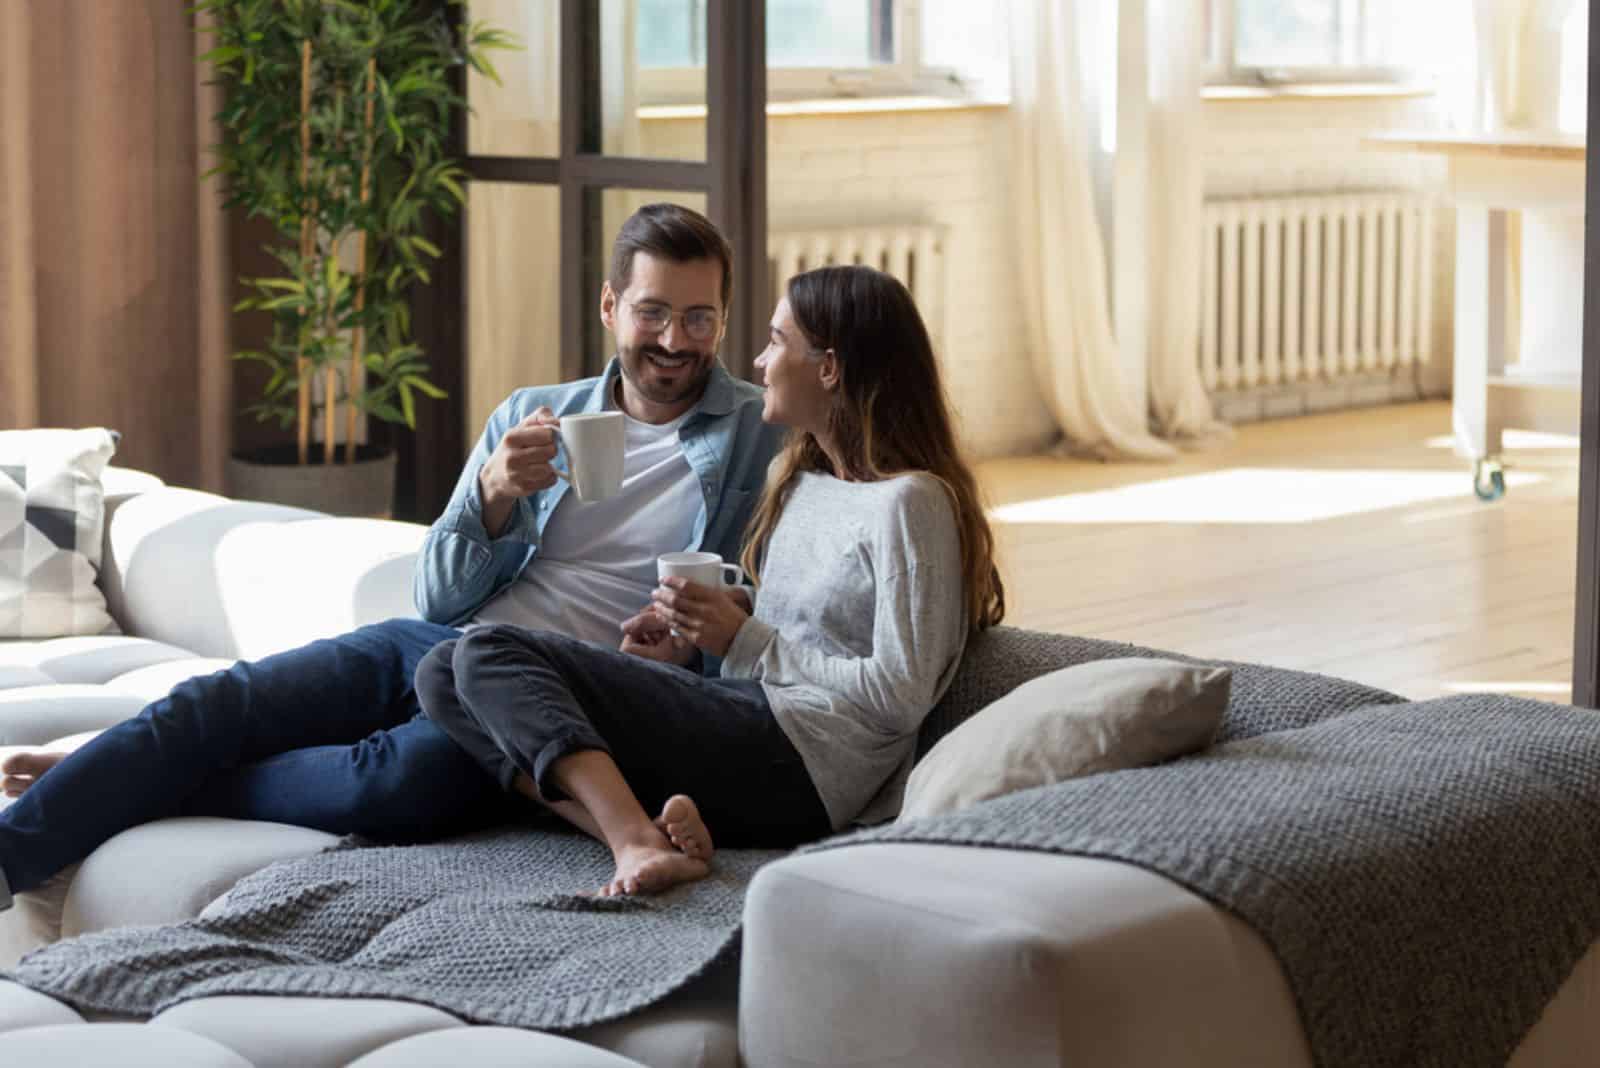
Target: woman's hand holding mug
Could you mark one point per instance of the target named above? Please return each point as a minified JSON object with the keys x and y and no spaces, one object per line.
{"x":707,"y":616}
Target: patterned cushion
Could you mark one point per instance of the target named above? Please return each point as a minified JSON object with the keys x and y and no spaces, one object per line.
{"x":1263,"y":698}
{"x":52,"y":513}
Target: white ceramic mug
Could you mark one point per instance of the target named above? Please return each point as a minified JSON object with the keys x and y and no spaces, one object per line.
{"x":704,"y":568}
{"x":594,"y":444}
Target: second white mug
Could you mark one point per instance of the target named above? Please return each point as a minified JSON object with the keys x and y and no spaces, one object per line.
{"x":704,"y":568}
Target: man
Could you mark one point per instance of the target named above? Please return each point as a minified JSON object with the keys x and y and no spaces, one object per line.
{"x":330,"y":735}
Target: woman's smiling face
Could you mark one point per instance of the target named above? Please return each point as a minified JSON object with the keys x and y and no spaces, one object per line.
{"x":795,"y":375}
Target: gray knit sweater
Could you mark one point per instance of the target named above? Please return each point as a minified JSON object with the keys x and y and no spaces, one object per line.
{"x":858,"y":628}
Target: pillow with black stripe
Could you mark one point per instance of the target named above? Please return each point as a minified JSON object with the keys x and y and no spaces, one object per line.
{"x":52,"y":514}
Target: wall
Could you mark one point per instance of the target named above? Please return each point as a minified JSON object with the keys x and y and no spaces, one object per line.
{"x":944,"y":166}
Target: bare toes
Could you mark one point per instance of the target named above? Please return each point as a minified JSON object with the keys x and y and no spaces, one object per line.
{"x":685,"y":828}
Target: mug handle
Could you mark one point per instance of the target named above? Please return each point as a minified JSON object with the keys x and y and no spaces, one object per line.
{"x":561,"y":447}
{"x":738,"y":575}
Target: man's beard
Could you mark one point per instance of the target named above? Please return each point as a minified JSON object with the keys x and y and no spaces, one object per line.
{"x":690,"y":375}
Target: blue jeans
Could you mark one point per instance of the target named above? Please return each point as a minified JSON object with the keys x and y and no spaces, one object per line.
{"x":328,"y":736}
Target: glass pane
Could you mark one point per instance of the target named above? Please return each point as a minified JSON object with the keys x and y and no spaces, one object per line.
{"x":513,"y":287}
{"x":824,"y":33}
{"x":967,"y":38}
{"x":653,"y":78}
{"x":672,"y":33}
{"x":522,"y":115}
{"x":1287,"y":33}
{"x":1422,"y":35}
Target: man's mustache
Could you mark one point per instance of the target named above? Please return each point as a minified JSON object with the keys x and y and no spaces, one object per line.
{"x":681,"y":354}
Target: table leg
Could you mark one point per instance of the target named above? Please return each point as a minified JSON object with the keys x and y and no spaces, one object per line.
{"x":1480,"y":326}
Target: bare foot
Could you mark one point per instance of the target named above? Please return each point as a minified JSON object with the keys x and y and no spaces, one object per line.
{"x":680,"y":821}
{"x":651,"y":866}
{"x":22,"y":770}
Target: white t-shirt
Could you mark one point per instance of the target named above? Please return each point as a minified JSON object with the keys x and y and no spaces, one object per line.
{"x":596,"y":563}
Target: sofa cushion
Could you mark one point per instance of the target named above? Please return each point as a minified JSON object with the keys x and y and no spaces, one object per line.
{"x":125,"y":1045}
{"x":52,"y":518}
{"x":244,"y":580}
{"x":87,"y":659}
{"x":157,"y":680}
{"x":491,"y":1047}
{"x":34,"y":918}
{"x":1082,"y":720}
{"x":908,"y":955}
{"x":170,"y":870}
{"x":1263,"y":698}
{"x":35,"y":715}
{"x":303,"y":1032}
{"x":696,"y":1027}
{"x":21,"y":1007}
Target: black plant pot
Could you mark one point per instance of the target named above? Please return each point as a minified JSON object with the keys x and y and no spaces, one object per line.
{"x":362,"y":488}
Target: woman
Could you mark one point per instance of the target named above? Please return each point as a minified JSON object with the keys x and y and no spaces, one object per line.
{"x":875,"y":563}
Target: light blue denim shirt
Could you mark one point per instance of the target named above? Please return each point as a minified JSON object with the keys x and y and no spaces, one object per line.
{"x":727,"y":445}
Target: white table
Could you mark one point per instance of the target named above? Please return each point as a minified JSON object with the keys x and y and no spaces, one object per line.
{"x":1542,"y":176}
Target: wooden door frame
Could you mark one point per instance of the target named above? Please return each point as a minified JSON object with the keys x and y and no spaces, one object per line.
{"x":1586,"y":614}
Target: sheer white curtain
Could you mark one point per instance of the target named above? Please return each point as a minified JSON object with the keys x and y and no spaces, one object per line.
{"x":1179,"y":404}
{"x":1519,"y":62}
{"x":1061,"y":255}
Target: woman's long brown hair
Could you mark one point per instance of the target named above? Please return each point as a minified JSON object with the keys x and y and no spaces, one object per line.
{"x":890,"y":417}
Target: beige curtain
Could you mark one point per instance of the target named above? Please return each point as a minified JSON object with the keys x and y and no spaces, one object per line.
{"x":1179,"y":405}
{"x":1061,"y":257}
{"x":113,"y":272}
{"x":1519,"y":62}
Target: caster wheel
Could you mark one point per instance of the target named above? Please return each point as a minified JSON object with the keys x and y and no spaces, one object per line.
{"x":1488,"y":480}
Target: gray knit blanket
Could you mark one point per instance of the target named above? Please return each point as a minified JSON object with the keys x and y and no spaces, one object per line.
{"x":1427,"y":874}
{"x":496,"y":928}
{"x":1424,"y":872}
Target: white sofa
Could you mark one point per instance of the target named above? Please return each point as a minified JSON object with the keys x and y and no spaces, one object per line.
{"x":902,"y":955}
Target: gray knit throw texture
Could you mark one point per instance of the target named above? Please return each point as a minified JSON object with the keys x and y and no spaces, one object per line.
{"x":1424,"y":873}
{"x":497,"y":928}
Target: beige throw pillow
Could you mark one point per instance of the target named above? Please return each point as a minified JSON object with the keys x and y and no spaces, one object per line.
{"x":1100,"y":716}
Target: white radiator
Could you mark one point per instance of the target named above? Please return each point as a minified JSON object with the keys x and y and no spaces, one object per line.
{"x":1298,"y":289}
{"x":914,"y":254}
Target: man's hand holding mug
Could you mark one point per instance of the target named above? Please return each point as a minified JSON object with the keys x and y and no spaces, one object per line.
{"x":520,"y":465}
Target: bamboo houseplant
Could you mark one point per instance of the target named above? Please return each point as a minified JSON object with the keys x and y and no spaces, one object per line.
{"x":335,"y":120}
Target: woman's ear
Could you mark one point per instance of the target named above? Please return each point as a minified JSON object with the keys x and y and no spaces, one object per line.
{"x":828,"y":373}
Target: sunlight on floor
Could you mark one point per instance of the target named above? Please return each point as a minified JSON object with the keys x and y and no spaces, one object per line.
{"x":1516,"y":439}
{"x":1252,"y":495}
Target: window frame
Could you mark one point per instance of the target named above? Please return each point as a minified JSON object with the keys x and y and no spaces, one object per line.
{"x":667,"y":86}
{"x":1222,"y":68}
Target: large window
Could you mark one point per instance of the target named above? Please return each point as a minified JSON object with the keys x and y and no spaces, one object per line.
{"x":1268,"y":41}
{"x":829,"y":47}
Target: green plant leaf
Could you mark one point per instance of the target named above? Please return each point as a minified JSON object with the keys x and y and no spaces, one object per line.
{"x":424,"y":386}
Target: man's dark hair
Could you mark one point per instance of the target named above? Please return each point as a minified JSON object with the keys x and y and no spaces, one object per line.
{"x":670,"y":232}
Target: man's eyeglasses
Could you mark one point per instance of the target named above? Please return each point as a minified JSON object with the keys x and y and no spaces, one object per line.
{"x":699,"y":323}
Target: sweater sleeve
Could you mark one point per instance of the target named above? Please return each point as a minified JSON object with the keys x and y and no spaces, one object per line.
{"x":919,"y":622}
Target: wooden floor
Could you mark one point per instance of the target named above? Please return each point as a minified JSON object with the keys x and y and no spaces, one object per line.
{"x":1348,"y":543}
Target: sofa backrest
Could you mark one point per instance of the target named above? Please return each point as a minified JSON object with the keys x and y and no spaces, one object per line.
{"x":1262,"y":698}
{"x":229,"y":578}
